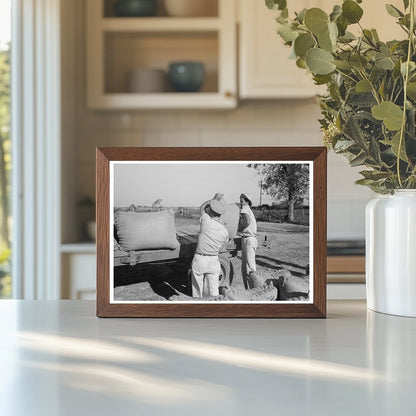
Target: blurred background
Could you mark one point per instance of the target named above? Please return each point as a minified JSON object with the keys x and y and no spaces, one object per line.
{"x":145,"y":73}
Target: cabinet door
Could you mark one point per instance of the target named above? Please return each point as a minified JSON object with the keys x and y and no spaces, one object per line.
{"x":266,"y":71}
{"x":265,"y":68}
{"x":78,"y":276}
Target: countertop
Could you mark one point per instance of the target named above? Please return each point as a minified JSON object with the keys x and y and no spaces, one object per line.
{"x":57,"y":358}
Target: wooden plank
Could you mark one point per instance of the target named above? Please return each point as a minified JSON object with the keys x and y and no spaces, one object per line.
{"x":345,"y":278}
{"x":160,"y":24}
{"x":346,"y":264}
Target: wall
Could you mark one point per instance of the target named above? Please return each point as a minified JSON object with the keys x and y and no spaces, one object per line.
{"x":253,"y":123}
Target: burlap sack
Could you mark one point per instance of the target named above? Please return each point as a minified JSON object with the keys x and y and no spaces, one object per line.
{"x":146,"y":230}
{"x":259,"y":294}
{"x":255,"y":280}
{"x":230,"y":219}
{"x":291,"y":287}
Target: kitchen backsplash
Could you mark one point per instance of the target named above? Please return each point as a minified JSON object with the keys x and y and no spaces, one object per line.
{"x":253,"y":123}
{"x":286,"y":123}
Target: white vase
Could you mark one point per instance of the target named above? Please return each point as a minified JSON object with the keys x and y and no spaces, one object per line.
{"x":391,"y":253}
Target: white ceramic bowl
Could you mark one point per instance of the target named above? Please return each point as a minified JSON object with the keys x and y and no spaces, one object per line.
{"x":191,"y":8}
{"x":147,"y":80}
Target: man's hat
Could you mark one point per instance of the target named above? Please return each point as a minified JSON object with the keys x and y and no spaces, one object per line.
{"x":217,"y":206}
{"x":247,"y":197}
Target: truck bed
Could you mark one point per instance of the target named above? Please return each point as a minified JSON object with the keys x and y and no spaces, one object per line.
{"x":187,"y":237}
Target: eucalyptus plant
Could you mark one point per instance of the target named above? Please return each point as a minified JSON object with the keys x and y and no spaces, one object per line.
{"x":369,"y":111}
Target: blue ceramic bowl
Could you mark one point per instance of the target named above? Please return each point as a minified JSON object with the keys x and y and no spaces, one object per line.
{"x":186,"y":76}
{"x":135,"y":8}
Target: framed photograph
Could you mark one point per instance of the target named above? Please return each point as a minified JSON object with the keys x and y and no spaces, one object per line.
{"x":211,"y":232}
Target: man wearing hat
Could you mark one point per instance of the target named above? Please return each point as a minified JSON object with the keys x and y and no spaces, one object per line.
{"x":247,"y":228}
{"x":212,"y":236}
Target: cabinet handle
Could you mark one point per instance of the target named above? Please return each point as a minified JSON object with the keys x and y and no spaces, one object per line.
{"x":229,"y":94}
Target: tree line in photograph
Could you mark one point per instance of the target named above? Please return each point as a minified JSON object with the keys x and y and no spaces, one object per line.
{"x":288,"y":184}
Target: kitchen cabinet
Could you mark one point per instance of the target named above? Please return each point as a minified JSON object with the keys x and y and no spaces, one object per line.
{"x":118,"y":45}
{"x":78,"y":263}
{"x":265,"y":70}
{"x":346,"y":275}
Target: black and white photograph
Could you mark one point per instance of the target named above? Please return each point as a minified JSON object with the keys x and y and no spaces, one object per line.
{"x":211,"y":232}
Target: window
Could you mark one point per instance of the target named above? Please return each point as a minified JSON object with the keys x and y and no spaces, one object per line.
{"x":5,"y":147}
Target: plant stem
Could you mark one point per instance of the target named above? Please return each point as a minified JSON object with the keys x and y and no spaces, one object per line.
{"x":405,"y":81}
{"x":373,"y":88}
{"x":346,"y":75}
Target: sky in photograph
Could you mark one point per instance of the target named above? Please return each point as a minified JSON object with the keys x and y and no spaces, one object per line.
{"x":185,"y":185}
{"x":4,"y":22}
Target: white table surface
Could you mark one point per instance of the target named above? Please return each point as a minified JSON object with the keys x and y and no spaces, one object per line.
{"x":57,"y":358}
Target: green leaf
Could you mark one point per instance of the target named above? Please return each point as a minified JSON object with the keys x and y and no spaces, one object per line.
{"x":282,"y":20}
{"x":374,"y":150}
{"x":394,"y":143}
{"x":405,"y":21}
{"x":276,"y":4}
{"x":336,"y":12}
{"x":368,"y":36}
{"x":362,"y":99}
{"x":301,"y":63}
{"x":374,"y":175}
{"x":382,"y":89}
{"x":363,"y":86}
{"x":406,"y":4}
{"x":384,"y":62}
{"x":359,"y":160}
{"x":411,"y":90}
{"x":375,"y":35}
{"x":347,"y":37}
{"x":343,"y":145}
{"x":396,"y":70}
{"x":388,"y":112}
{"x":333,"y":32}
{"x":303,"y":43}
{"x":354,"y":132}
{"x":412,"y":67}
{"x":325,"y":42}
{"x":393,"y":11}
{"x":319,"y":61}
{"x":287,"y":33}
{"x":351,"y":11}
{"x":344,"y":65}
{"x":316,"y":20}
{"x":358,"y":61}
{"x":321,"y":79}
{"x":301,"y":15}
{"x":365,"y":182}
{"x":342,"y":25}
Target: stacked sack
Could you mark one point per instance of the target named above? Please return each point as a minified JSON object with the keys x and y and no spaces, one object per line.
{"x":293,"y":288}
{"x":145,"y":230}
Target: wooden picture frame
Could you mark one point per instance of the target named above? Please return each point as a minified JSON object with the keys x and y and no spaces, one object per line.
{"x":314,"y":157}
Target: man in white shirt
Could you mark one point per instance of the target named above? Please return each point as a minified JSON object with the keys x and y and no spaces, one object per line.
{"x":248,"y":232}
{"x":213,"y":235}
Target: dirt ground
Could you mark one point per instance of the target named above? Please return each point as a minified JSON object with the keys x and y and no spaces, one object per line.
{"x":281,"y":246}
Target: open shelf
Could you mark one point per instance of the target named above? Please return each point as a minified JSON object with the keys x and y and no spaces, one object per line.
{"x":119,"y":45}
{"x":167,"y":100}
{"x":160,"y":24}
{"x":127,"y":51}
{"x":210,"y":9}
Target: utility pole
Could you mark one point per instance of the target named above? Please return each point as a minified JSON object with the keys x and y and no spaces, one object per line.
{"x":261,"y":190}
